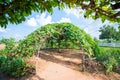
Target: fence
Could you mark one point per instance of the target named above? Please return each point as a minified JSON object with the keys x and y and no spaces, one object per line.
{"x":110,"y":44}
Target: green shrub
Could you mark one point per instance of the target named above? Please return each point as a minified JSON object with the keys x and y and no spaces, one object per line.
{"x":16,"y":67}
{"x":110,"y":58}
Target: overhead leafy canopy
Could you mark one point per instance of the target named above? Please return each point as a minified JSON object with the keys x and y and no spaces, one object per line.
{"x":16,"y":11}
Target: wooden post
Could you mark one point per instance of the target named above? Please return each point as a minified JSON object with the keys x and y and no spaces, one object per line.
{"x":83,"y":61}
{"x":37,"y":57}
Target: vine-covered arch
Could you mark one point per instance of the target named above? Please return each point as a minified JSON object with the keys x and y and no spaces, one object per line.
{"x":57,"y":35}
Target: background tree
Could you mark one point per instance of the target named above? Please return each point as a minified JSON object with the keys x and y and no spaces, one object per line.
{"x":16,"y":11}
{"x":118,"y":34}
{"x":108,"y":32}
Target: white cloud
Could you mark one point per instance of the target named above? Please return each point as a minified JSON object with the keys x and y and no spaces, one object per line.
{"x":86,"y":30}
{"x":39,"y":20}
{"x":73,"y":11}
{"x":65,"y":20}
{"x":42,"y":19}
{"x":18,"y":37}
{"x":2,"y":30}
{"x":32,"y":22}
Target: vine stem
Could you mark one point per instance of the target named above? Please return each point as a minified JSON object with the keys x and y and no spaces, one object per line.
{"x":37,"y":57}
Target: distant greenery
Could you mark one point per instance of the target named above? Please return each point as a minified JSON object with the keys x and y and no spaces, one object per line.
{"x":110,"y":58}
{"x":118,"y":34}
{"x":109,"y":33}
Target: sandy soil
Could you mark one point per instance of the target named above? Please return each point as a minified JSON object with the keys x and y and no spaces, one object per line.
{"x":54,"y":71}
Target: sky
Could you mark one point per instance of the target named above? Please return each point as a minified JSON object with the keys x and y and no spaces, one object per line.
{"x":37,"y":20}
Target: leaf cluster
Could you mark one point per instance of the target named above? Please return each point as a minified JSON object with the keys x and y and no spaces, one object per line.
{"x":15,"y":12}
{"x":15,"y":66}
{"x":57,"y":35}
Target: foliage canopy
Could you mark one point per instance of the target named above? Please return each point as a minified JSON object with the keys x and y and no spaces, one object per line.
{"x":16,"y":11}
{"x":57,"y":35}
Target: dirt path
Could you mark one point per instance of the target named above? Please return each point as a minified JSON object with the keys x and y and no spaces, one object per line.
{"x":62,"y":67}
{"x":54,"y":71}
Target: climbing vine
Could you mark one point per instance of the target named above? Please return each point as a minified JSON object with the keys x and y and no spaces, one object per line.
{"x":57,"y":35}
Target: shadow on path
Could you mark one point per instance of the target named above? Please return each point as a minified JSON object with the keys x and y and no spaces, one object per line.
{"x":69,"y":58}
